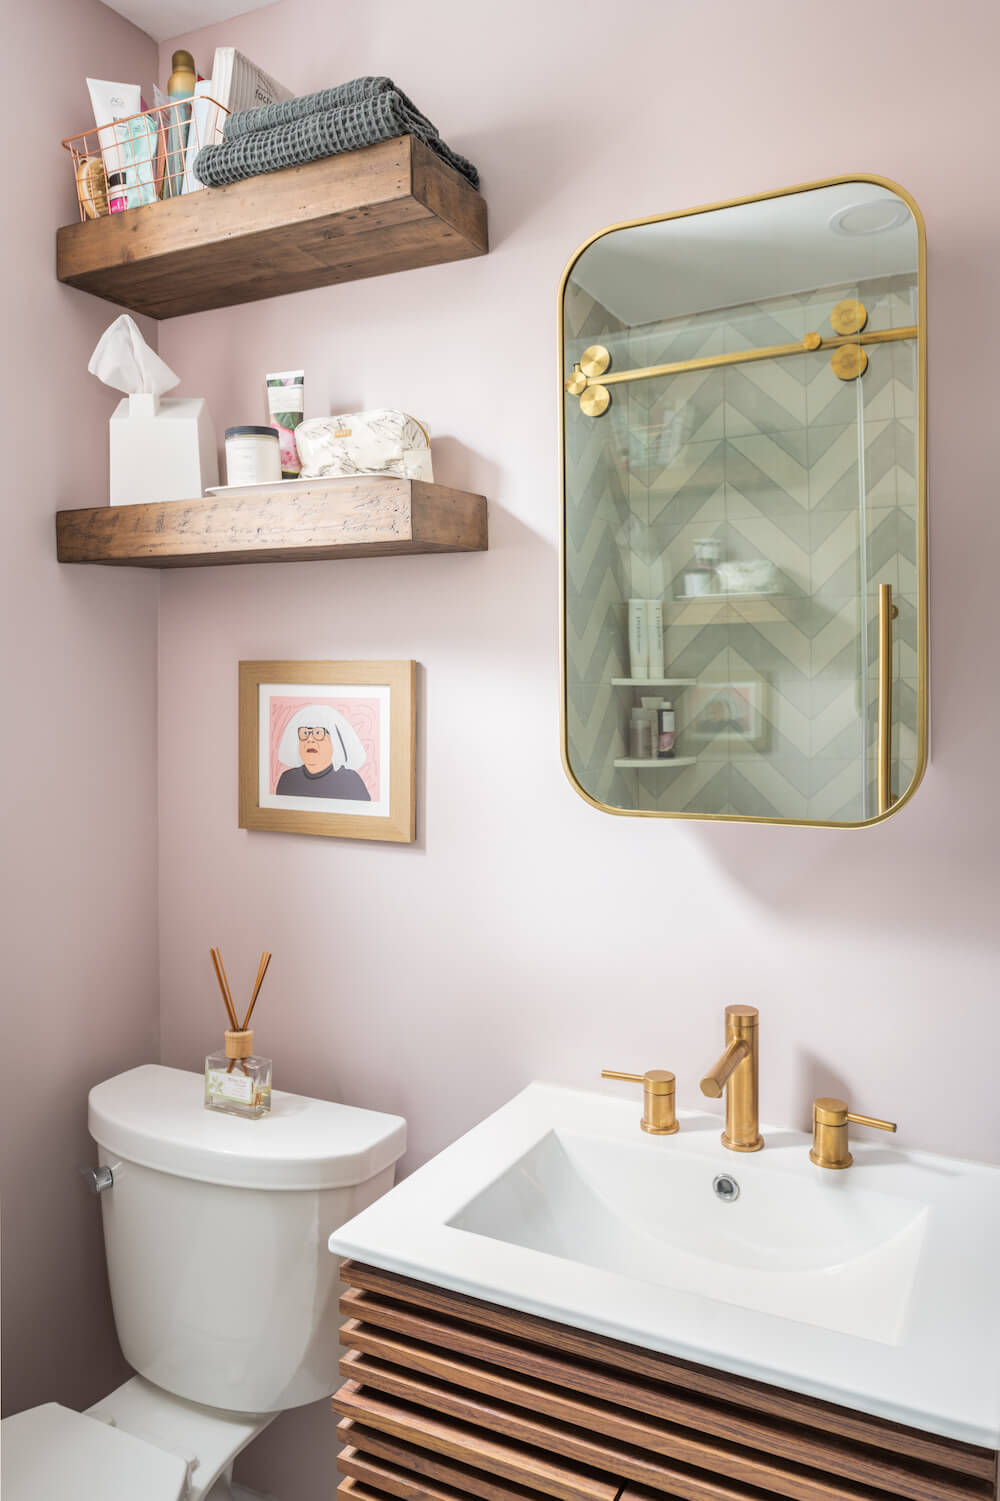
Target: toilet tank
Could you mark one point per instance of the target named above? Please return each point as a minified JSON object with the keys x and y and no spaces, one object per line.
{"x":216,"y":1234}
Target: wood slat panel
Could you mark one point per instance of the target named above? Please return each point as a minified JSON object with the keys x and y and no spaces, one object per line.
{"x":538,"y":1470}
{"x":410,"y":1485}
{"x":614,"y":1441}
{"x":753,"y":1397}
{"x":409,"y":1459}
{"x":696,"y":1488}
{"x":353,"y":1489}
{"x":390,"y":207}
{"x":365,"y":516}
{"x":480,"y":1374}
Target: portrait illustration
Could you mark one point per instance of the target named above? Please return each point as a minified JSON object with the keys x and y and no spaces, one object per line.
{"x":327,"y":748}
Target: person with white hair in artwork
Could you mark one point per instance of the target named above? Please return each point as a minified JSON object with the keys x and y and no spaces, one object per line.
{"x":322,"y":753}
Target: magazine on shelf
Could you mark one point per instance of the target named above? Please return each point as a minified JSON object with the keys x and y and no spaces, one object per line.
{"x":236,"y":83}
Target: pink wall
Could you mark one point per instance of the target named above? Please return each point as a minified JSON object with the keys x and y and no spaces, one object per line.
{"x":527,"y":935}
{"x":78,"y":751}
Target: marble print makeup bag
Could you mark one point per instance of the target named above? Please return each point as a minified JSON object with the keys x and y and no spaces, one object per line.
{"x":379,"y":442}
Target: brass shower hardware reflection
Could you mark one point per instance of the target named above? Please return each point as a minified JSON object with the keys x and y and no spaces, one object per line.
{"x":590,"y":380}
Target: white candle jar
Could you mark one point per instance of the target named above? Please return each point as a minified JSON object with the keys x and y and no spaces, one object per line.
{"x":253,"y":456}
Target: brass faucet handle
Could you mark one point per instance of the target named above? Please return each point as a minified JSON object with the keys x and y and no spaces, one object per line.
{"x":659,"y":1115}
{"x":830,"y":1120}
{"x":869,"y":1120}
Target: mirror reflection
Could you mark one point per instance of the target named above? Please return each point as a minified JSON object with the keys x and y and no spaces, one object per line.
{"x":743,"y":518}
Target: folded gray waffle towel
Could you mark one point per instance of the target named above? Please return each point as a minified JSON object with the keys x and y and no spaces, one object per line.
{"x":354,"y":92}
{"x":367,"y":110}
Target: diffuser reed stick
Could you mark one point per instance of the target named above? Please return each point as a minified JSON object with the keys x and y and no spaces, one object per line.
{"x":220,"y":975}
{"x":246,"y":1092}
{"x":265,"y":960}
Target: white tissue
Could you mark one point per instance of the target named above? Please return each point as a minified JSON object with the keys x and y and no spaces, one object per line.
{"x":125,"y":361}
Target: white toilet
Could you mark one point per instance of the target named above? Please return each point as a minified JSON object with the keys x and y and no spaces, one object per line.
{"x":224,"y":1292}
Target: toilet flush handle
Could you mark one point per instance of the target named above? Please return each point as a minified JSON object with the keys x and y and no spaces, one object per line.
{"x":97,"y":1179}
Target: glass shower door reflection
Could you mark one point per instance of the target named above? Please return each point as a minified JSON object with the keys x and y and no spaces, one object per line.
{"x":747,"y":473}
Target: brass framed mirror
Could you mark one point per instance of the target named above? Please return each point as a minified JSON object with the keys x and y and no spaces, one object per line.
{"x":744,"y":509}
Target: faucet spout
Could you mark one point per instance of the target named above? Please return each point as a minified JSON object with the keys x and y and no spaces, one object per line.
{"x":718,"y":1077}
{"x":736,"y":1075}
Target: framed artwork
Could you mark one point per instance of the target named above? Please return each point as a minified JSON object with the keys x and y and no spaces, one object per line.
{"x":328,"y":748}
{"x":732,"y":712}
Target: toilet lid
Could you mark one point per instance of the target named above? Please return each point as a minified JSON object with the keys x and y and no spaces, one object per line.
{"x":50,"y":1453}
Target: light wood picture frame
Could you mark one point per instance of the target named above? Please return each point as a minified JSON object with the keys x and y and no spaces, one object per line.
{"x":328,"y":748}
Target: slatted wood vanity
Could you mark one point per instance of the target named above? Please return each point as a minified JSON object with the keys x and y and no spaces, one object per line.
{"x":447,"y":1397}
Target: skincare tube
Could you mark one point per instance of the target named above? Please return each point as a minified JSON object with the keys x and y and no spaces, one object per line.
{"x":638,"y":642}
{"x":654,"y":632}
{"x":113,"y":102}
{"x":285,"y":405}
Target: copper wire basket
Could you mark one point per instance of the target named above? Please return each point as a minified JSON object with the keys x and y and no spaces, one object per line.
{"x":143,"y":158}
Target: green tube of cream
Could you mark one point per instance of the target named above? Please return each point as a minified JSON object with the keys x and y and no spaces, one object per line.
{"x":285,"y":405}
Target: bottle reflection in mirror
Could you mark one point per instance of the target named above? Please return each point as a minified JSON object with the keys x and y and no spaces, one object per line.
{"x":667,"y":732}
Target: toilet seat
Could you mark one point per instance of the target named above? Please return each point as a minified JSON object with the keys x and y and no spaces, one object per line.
{"x":47,"y":1451}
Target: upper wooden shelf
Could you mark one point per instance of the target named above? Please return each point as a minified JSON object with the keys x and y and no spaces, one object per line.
{"x":389,"y":207}
{"x":365,"y":517}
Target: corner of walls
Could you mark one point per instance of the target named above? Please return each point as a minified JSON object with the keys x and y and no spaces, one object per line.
{"x":78,"y":647}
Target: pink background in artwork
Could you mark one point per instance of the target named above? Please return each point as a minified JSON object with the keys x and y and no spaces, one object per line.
{"x":527,"y":929}
{"x":362,"y":714}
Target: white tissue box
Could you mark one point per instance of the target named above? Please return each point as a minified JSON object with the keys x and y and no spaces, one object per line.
{"x":162,"y":448}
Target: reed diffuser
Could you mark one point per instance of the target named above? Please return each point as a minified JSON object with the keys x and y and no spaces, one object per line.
{"x":236,"y":1080}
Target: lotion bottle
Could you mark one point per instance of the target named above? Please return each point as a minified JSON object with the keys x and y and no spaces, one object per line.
{"x":638,"y":640}
{"x":667,"y":733}
{"x":654,"y":634}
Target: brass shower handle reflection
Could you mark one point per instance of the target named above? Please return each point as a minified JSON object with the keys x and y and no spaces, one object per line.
{"x":594,"y":398}
{"x":849,"y":361}
{"x":887,"y":613}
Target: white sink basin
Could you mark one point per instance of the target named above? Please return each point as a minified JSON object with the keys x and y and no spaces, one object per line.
{"x":803,"y":1250}
{"x":875,"y":1287}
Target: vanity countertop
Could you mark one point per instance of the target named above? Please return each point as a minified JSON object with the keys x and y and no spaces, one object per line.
{"x":874,"y":1288}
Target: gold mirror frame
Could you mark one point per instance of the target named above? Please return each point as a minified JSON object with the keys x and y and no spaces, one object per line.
{"x":922,"y":569}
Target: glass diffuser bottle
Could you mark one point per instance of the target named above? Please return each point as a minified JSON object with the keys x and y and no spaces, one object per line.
{"x":237,"y":1081}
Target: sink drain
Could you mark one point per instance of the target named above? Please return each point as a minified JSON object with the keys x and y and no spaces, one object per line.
{"x":725,"y":1188}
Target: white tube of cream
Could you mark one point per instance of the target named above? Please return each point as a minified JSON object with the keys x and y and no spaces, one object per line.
{"x":110,"y":102}
{"x":638,"y":639}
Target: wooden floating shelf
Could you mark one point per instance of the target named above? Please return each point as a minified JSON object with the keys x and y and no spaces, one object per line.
{"x":653,"y":682}
{"x":369,"y":516}
{"x":628,"y":763}
{"x":390,"y":207}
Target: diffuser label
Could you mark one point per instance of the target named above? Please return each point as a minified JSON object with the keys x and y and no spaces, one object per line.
{"x":230,"y":1086}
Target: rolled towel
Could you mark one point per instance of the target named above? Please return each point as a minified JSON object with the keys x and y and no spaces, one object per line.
{"x":244,"y":121}
{"x":374,"y":117}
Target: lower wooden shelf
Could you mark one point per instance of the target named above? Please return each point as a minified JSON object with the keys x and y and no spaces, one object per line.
{"x":369,"y":516}
{"x":447,"y":1396}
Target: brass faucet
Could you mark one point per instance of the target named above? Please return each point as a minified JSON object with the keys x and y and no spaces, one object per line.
{"x":659,"y":1116}
{"x":830,"y":1118}
{"x":736,"y":1073}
